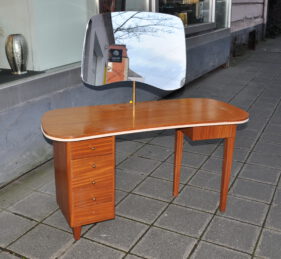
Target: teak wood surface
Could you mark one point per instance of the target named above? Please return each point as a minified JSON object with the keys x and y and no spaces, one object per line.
{"x":81,"y":123}
{"x":84,"y":148}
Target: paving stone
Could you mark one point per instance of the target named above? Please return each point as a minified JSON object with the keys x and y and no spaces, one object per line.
{"x":245,"y":142}
{"x":159,"y":243}
{"x":42,"y":242}
{"x":276,"y":117}
{"x":140,"y":208}
{"x":164,"y":140}
{"x":240,"y":154}
{"x":13,"y":193}
{"x":39,"y":176}
{"x":265,"y":148}
{"x":198,"y":199}
{"x":128,"y":147}
{"x":36,"y":206}
{"x":215,"y":165}
{"x":12,"y":227}
{"x":87,"y":249}
{"x":119,"y":195}
{"x":142,"y":137}
{"x":154,"y":152}
{"x":207,"y":180}
{"x":273,"y":129}
{"x":6,"y":255}
{"x":49,"y":188}
{"x":139,"y":164}
{"x":277,"y":198}
{"x":120,"y":233}
{"x":130,"y":256}
{"x":120,"y":157}
{"x":270,"y":160}
{"x":233,"y":234}
{"x":191,"y":159}
{"x":209,"y":251}
{"x":156,"y":188}
{"x":269,"y":245}
{"x":253,"y":190}
{"x":166,"y":171}
{"x":273,"y":219}
{"x":128,"y":180}
{"x":260,"y":173}
{"x":270,"y":138}
{"x":202,"y":147}
{"x":184,"y":220}
{"x":245,"y":210}
{"x":57,"y":220}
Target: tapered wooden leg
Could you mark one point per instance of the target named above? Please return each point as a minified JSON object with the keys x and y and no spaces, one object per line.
{"x":226,"y":170}
{"x":76,"y":232}
{"x":177,"y":160}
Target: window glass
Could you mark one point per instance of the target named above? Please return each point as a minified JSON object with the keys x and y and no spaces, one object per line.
{"x":221,"y":11}
{"x":190,"y":11}
{"x":132,"y":5}
{"x":53,"y":30}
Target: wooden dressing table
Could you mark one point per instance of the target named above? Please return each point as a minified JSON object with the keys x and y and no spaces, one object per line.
{"x":84,"y":147}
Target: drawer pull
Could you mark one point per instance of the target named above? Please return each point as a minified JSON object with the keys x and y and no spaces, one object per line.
{"x":94,"y":166}
{"x":93,"y":182}
{"x":93,"y":148}
{"x":94,"y":199}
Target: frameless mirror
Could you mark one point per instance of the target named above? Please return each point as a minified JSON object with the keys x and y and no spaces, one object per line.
{"x":135,"y":46}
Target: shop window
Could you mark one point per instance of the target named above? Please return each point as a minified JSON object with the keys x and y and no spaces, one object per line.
{"x":190,"y":11}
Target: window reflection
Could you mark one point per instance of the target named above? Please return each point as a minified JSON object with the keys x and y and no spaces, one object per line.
{"x":190,"y":11}
{"x":135,"y":46}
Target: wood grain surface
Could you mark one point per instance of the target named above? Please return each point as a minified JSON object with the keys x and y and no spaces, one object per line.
{"x":73,"y":124}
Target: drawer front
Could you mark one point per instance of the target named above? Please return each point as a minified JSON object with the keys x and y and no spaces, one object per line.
{"x":92,"y":214}
{"x":93,"y":203}
{"x":91,"y":169}
{"x":92,"y":147}
{"x":88,"y":198}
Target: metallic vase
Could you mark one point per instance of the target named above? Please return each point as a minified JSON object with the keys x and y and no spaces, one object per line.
{"x":16,"y":52}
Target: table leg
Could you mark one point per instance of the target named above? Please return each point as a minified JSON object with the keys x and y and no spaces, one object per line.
{"x":226,"y":170}
{"x":77,"y":232}
{"x":177,"y":160}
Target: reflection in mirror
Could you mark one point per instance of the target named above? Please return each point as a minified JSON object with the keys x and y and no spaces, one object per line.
{"x":135,"y":46}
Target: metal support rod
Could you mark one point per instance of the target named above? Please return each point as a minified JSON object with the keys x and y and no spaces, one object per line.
{"x":134,"y":102}
{"x":134,"y":93}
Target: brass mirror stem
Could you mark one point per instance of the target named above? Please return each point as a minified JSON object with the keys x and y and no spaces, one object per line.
{"x":134,"y":99}
{"x":134,"y":92}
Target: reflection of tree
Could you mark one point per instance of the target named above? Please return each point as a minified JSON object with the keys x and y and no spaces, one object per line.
{"x":134,"y":24}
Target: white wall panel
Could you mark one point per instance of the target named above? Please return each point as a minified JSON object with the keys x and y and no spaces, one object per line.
{"x":246,"y":11}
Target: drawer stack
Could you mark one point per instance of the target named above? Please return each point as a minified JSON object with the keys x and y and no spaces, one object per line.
{"x":90,"y":172}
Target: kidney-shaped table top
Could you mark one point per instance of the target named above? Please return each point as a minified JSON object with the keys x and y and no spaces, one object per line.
{"x":88,"y":122}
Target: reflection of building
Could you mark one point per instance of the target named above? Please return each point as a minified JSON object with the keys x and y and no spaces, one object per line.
{"x":133,"y":76}
{"x":118,"y":71}
{"x":99,"y":37}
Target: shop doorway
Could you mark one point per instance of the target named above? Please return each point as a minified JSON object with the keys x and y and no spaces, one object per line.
{"x":274,"y":18}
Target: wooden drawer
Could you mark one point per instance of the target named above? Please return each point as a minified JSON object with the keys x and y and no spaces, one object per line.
{"x":85,"y":197}
{"x":92,"y":205}
{"x":92,"y":147}
{"x":90,"y":169}
{"x":92,"y":213}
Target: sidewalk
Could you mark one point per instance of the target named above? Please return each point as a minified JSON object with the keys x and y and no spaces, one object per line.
{"x":150,"y":223}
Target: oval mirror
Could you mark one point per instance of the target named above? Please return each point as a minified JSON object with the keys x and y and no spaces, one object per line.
{"x":135,"y":46}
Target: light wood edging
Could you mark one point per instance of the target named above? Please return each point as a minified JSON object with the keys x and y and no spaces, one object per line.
{"x":142,"y":130}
